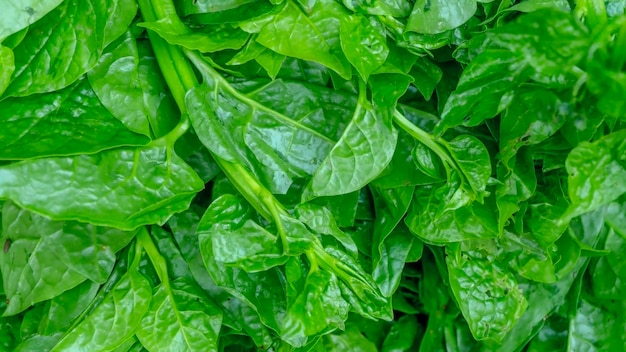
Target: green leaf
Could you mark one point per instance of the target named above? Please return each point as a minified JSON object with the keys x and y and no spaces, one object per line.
{"x":427,"y":75}
{"x":202,"y":6}
{"x":18,"y":15}
{"x":46,"y":257}
{"x":484,"y":89}
{"x":472,"y":158}
{"x":487,"y":293}
{"x":180,"y":318}
{"x":437,"y":16}
{"x":597,"y":173}
{"x":362,"y":152}
{"x":7,"y":62}
{"x":318,"y":307}
{"x":552,"y":43}
{"x":425,"y":219}
{"x":352,"y":340}
{"x":63,"y":309}
{"x":518,"y":184}
{"x":403,"y":335}
{"x":262,"y":291}
{"x":114,"y":320}
{"x":66,"y":43}
{"x":598,"y":325}
{"x":234,"y":126}
{"x":38,"y":343}
{"x":364,"y":43}
{"x":321,"y":220}
{"x":124,"y":188}
{"x":313,"y":36}
{"x":390,"y":248}
{"x":127,"y":82}
{"x":210,"y":39}
{"x":65,"y":122}
{"x":532,"y":117}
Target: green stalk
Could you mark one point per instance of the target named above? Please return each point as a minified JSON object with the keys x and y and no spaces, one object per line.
{"x":249,"y":188}
{"x":158,"y":262}
{"x":425,"y":138}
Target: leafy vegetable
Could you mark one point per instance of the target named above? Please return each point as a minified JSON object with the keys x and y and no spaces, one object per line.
{"x":316,"y":175}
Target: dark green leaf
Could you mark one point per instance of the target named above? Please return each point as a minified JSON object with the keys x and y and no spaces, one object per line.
{"x":66,"y":122}
{"x":66,"y":43}
{"x":114,"y":320}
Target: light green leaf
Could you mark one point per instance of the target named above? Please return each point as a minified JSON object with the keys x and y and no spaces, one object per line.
{"x":208,"y":40}
{"x":472,"y":158}
{"x":123,"y":188}
{"x":598,"y":326}
{"x":180,"y":318}
{"x":17,"y":15}
{"x":352,"y":340}
{"x":425,"y":219}
{"x":46,"y":258}
{"x":437,"y":16}
{"x":364,"y":43}
{"x":318,"y":307}
{"x":487,"y":293}
{"x":322,"y":221}
{"x":313,"y":36}
{"x":597,"y":173}
{"x":361,"y":154}
{"x":7,"y":66}
{"x":127,"y":82}
{"x":65,"y":122}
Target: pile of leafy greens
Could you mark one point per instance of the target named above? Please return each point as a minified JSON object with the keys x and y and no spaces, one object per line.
{"x":313,"y":175}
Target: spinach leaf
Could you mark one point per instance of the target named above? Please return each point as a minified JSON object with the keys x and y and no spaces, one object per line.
{"x":312,"y":175}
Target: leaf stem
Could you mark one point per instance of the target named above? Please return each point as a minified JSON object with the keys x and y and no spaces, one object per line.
{"x":160,"y":265}
{"x":426,"y":139}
